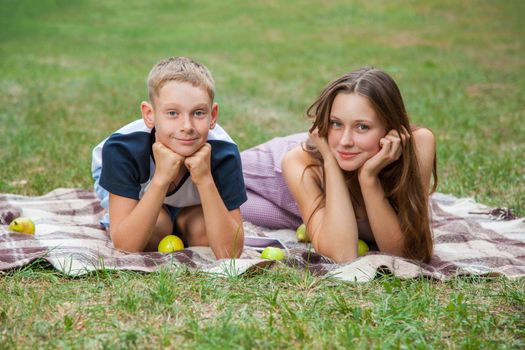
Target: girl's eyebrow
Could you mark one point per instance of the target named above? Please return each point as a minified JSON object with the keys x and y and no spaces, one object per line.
{"x":353,"y":121}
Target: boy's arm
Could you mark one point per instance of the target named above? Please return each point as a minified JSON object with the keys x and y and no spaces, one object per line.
{"x":132,"y":222}
{"x":224,"y":228}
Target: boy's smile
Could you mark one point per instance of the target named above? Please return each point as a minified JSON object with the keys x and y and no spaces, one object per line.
{"x":182,"y":115}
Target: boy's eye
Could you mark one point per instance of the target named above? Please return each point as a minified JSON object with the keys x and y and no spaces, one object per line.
{"x":199,"y":114}
{"x":334,"y":124}
{"x":172,"y":113}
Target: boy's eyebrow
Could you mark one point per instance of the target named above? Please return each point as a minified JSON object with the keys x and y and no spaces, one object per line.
{"x":201,"y":105}
{"x":176,"y":105}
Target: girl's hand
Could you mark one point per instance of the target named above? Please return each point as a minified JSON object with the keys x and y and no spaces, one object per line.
{"x":167,"y":163}
{"x":321,"y":144}
{"x":391,"y":150}
{"x":198,"y":164}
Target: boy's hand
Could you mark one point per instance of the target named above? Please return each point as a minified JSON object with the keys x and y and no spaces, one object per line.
{"x":198,"y":164}
{"x":391,"y":150}
{"x":167,"y":163}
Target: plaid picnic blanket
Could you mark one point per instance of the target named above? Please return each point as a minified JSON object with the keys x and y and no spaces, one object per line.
{"x":470,"y":239}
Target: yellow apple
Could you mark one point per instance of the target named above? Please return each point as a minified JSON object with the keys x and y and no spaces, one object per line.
{"x":362,"y":248}
{"x":301,"y":234}
{"x":24,"y":225}
{"x":170,"y":243}
{"x":272,"y":253}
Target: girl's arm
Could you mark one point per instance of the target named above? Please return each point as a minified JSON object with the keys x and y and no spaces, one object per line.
{"x":425,"y":143}
{"x":382,"y":217}
{"x":332,"y":228}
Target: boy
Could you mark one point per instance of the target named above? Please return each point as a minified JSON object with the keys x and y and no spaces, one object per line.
{"x":175,"y":170}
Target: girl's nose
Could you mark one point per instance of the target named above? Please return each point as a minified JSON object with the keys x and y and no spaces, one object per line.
{"x":347,"y":138}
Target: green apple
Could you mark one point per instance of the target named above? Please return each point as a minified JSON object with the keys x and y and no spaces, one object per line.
{"x":272,"y":253}
{"x":362,"y":248}
{"x":24,"y":225}
{"x":301,"y":234}
{"x":170,"y":243}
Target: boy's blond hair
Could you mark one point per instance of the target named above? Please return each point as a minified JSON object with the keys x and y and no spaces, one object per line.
{"x":182,"y":69}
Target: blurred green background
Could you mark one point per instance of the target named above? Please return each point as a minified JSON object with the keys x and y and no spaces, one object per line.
{"x":71,"y":72}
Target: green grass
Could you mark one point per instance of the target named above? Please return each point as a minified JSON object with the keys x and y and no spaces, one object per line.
{"x":71,"y":72}
{"x":280,"y":308}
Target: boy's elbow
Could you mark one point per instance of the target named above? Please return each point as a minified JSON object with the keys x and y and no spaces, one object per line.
{"x":126,"y":248}
{"x":123,"y":244}
{"x":232,"y":249}
{"x":229,"y":253}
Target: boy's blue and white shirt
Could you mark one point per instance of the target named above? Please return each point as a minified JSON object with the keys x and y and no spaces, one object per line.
{"x":123,"y":165}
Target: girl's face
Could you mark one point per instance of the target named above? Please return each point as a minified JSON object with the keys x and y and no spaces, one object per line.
{"x":354,"y":131}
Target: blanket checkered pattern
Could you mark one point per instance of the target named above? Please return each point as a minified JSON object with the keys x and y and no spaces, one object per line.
{"x":470,"y":239}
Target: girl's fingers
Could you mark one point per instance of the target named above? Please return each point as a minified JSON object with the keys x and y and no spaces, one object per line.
{"x":385,"y":144}
{"x":395,"y":149}
{"x":403,"y":135}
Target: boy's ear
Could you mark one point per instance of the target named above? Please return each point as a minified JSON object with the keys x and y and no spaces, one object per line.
{"x":214,"y":115}
{"x":148,"y":114}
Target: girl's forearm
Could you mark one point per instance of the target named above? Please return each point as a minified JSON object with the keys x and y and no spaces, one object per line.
{"x":382,"y":217}
{"x":337,"y":234}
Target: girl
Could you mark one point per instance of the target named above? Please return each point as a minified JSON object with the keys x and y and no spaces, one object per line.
{"x":363,"y":172}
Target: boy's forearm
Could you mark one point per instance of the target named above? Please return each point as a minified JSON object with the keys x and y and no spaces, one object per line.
{"x":225,"y":234}
{"x":134,"y":232}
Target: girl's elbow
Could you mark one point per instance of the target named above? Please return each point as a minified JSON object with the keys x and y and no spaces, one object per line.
{"x":338,"y":255}
{"x":345,"y":257}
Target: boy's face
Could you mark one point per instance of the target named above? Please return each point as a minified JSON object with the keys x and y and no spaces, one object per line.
{"x":182,"y":115}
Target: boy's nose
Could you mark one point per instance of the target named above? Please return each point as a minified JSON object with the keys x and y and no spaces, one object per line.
{"x":187,"y":124}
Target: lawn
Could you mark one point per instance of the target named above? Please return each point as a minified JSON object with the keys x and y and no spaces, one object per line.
{"x":71,"y":72}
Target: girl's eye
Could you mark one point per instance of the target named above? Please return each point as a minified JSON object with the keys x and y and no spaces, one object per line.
{"x":362,"y":127}
{"x":334,"y":124}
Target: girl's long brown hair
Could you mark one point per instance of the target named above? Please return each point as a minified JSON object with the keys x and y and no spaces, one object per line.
{"x":401,"y":180}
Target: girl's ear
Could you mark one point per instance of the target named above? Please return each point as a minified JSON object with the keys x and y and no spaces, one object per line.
{"x":214,"y":115}
{"x":148,"y":114}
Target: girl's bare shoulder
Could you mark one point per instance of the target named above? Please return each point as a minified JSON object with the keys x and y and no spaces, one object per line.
{"x":422,"y":134}
{"x":299,"y":161}
{"x":424,"y":139}
{"x":297,"y":156}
